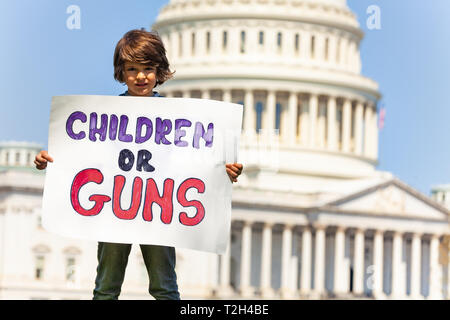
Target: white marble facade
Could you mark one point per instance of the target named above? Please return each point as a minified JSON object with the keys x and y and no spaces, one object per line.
{"x":312,"y":217}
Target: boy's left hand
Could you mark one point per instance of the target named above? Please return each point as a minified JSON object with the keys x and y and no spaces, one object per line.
{"x":234,"y":170}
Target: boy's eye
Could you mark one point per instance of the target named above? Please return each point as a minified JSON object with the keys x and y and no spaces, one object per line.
{"x":131,"y":69}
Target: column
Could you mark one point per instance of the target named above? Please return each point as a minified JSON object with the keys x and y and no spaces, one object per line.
{"x":245,"y":288}
{"x":286,"y":253}
{"x":367,"y":131}
{"x":270,"y":113}
{"x":416,"y":254}
{"x":435,"y":271}
{"x":339,"y":247}
{"x":227,"y":95}
{"x":266,"y":261}
{"x":321,"y":125}
{"x":398,"y":290}
{"x":378,"y":243}
{"x":304,"y":123}
{"x":331,"y":123}
{"x":313,"y":106}
{"x":319,"y":262}
{"x":249,"y":113}
{"x":374,"y":125}
{"x":358,"y":271}
{"x":206,"y":94}
{"x":358,"y":127}
{"x":346,"y":125}
{"x":293,"y":116}
{"x":305,"y":277}
{"x":225,"y":287}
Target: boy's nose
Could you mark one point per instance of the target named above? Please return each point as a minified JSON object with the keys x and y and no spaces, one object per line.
{"x":141,"y":75}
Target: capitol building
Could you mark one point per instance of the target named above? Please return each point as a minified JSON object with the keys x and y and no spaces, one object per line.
{"x":312,"y":218}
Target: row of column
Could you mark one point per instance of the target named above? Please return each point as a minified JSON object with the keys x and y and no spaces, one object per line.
{"x":340,"y":285}
{"x":311,"y":120}
{"x":293,"y":45}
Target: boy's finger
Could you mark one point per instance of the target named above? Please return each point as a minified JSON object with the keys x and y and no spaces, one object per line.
{"x":232,"y":173}
{"x":47,"y":157}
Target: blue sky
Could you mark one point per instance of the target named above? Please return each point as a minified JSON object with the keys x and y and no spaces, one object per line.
{"x":408,"y":57}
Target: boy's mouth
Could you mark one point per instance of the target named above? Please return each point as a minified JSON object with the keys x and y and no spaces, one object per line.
{"x":140,"y":85}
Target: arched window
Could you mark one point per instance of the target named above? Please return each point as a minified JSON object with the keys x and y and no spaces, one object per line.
{"x":208,"y":41}
{"x":279,"y":41}
{"x":261,"y":38}
{"x":193,"y":43}
{"x":40,"y":253}
{"x":242,"y":49}
{"x":313,"y":47}
{"x":297,"y":43}
{"x":224,"y":40}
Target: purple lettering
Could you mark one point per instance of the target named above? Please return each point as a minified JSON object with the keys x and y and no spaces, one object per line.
{"x":77,"y":115}
{"x":200,"y":132}
{"x":163,"y":128}
{"x":123,"y":135}
{"x":179,"y":133}
{"x":141,"y":122}
{"x":93,"y":129}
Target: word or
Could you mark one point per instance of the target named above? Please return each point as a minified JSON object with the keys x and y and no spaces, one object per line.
{"x":374,"y":20}
{"x":152,"y":195}
{"x":73,"y":21}
{"x":115,"y":127}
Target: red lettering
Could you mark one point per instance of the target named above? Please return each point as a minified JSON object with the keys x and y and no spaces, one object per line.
{"x":83,"y":177}
{"x":119,"y":182}
{"x":165,"y":202}
{"x":181,"y":196}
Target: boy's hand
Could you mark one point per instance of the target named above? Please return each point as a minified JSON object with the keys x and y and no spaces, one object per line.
{"x":234,"y":170}
{"x":41,"y":160}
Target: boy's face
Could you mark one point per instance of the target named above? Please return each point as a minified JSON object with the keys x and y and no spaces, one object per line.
{"x":140,"y":78}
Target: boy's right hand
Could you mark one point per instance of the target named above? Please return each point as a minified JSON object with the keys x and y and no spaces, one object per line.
{"x":41,"y":160}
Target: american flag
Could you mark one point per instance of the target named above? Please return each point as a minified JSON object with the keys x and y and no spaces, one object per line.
{"x":381,"y":117}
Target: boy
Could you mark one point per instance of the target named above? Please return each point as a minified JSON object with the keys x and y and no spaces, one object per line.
{"x":140,"y":62}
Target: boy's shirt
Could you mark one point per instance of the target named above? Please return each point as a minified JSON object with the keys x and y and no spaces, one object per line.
{"x":155,"y":94}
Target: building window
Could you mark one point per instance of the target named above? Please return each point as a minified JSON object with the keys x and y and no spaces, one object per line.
{"x":29,"y":158}
{"x":279,"y":40}
{"x":261,"y":38}
{"x":278,"y":111}
{"x":224,"y":40}
{"x":70,"y":269}
{"x":193,"y":43}
{"x":259,"y":110}
{"x":17,"y":160}
{"x":39,"y":267}
{"x":297,"y":43}
{"x":313,"y":46}
{"x":327,"y":45}
{"x":208,"y":41}
{"x":242,"y":41}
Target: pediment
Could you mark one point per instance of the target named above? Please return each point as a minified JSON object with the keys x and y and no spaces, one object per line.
{"x":391,"y":198}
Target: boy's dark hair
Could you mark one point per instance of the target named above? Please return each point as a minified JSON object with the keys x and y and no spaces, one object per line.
{"x":142,"y":47}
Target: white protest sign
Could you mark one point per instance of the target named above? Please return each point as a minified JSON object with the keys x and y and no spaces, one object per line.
{"x":144,"y":170}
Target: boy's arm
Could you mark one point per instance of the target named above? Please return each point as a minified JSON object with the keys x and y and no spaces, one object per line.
{"x":234,"y":170}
